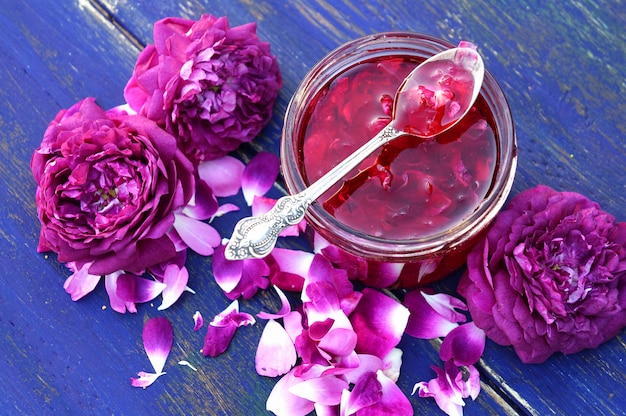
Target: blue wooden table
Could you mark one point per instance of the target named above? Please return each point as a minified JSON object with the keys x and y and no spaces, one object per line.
{"x":562,"y":66}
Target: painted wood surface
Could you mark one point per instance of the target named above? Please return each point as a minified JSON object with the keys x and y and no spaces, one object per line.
{"x":561,"y":65}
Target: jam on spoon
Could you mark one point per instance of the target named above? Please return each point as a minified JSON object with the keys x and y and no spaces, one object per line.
{"x":433,"y":98}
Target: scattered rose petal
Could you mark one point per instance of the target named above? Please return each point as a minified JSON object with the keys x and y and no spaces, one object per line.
{"x":259,"y":175}
{"x":175,"y":280}
{"x":198,"y":235}
{"x":450,"y":387}
{"x":222,"y":329}
{"x":282,"y":402}
{"x":432,"y":316}
{"x":145,"y":379}
{"x":379,"y":322}
{"x":224,"y":209}
{"x":203,"y":204}
{"x":284,"y":310}
{"x":464,"y":344}
{"x":288,"y":268}
{"x":117,"y":304}
{"x":324,"y":390}
{"x":198,"y":321}
{"x":157,"y":337}
{"x":276,"y":353}
{"x":131,"y":288}
{"x":223,"y":175}
{"x":227,"y":273}
{"x":80,"y":282}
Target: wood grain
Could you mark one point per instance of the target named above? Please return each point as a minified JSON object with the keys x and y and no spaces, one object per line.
{"x":561,"y":65}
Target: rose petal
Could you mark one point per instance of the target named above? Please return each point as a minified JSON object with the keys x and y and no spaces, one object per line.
{"x":447,"y":389}
{"x":145,"y":379}
{"x":288,"y":268}
{"x":339,"y":341}
{"x":276,"y":353}
{"x":379,"y":322}
{"x":227,"y":273}
{"x":199,"y":236}
{"x":204,"y":204}
{"x":425,"y":322}
{"x":158,"y":337}
{"x":392,"y":363}
{"x":223,"y":175}
{"x":224,"y":209}
{"x":464,"y":344}
{"x":175,"y":280}
{"x":131,"y":288}
{"x":324,"y":390}
{"x":222,"y":329}
{"x":282,"y":402}
{"x":366,"y":392}
{"x":198,"y":321}
{"x":259,"y":175}
{"x":81,"y":282}
{"x":117,"y":304}
{"x":284,"y":310}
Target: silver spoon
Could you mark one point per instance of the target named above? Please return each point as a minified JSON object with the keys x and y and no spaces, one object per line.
{"x":413,"y":114}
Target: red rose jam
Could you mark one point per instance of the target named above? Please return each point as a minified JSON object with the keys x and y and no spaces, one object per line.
{"x":411,"y":188}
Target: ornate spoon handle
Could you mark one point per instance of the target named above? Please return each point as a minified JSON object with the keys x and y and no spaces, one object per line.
{"x":255,"y":237}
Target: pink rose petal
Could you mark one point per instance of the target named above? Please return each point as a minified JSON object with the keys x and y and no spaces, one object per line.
{"x":157,"y":337}
{"x":224,"y":209}
{"x":379,"y":322}
{"x":449,"y":388}
{"x":157,"y":340}
{"x":227,"y":273}
{"x":288,"y":268}
{"x":223,"y":175}
{"x":464,"y":345}
{"x":198,"y":321}
{"x":276,"y":353}
{"x":425,"y":321}
{"x":339,"y":341}
{"x":259,"y":175}
{"x":81,"y":282}
{"x":145,"y":379}
{"x":117,"y":304}
{"x":199,"y":236}
{"x":222,"y":329}
{"x":175,"y":280}
{"x":366,"y":392}
{"x":284,"y":310}
{"x":131,"y":288}
{"x":325,"y":390}
{"x":204,"y":204}
{"x":282,"y":402}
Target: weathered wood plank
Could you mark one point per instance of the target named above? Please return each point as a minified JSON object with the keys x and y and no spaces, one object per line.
{"x":562,"y":67}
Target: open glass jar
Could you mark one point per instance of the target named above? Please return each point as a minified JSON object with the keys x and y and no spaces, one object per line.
{"x":412,"y":211}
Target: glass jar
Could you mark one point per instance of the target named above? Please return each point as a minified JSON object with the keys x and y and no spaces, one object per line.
{"x":375,"y":258}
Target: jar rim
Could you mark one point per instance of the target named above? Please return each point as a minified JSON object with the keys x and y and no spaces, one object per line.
{"x":366,"y":245}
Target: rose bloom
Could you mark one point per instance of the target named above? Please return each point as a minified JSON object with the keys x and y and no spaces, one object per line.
{"x":108,"y":186}
{"x":211,"y":86}
{"x":549,"y":276}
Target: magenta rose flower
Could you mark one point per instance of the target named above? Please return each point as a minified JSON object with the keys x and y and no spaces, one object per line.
{"x":211,"y":86}
{"x":549,"y":276}
{"x":108,"y":187}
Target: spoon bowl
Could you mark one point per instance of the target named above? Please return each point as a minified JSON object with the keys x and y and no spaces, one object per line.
{"x":433,"y":98}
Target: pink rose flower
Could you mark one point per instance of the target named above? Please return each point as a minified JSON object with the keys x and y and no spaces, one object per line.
{"x":210,"y":85}
{"x":549,"y":276}
{"x":108,"y":187}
